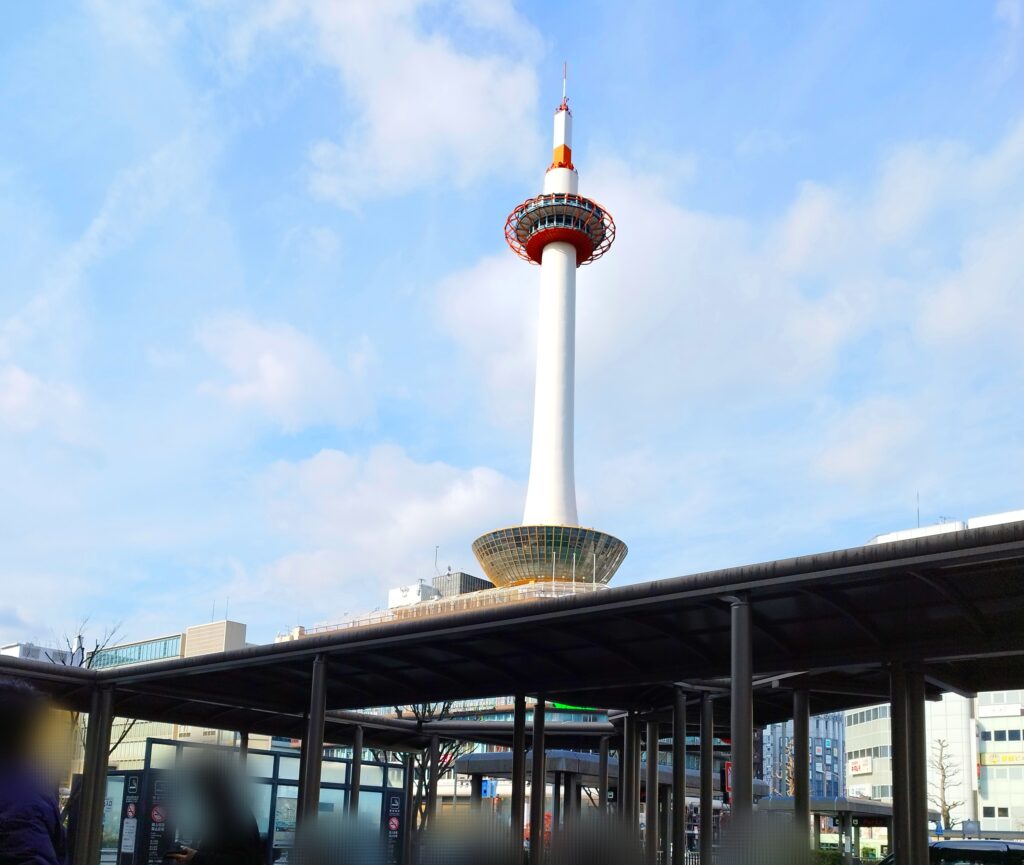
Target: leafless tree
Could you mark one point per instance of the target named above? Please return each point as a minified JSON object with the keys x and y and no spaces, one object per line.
{"x":450,"y":751}
{"x":73,"y":653}
{"x":945,"y":780}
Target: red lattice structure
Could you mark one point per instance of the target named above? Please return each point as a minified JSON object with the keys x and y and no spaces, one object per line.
{"x":560,"y":216}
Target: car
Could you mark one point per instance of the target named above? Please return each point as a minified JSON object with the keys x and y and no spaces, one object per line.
{"x":971,"y":853}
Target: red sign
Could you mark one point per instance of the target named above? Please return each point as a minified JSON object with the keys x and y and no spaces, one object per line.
{"x":157,"y":815}
{"x":130,"y":810}
{"x":393,"y":824}
{"x":728,"y":776}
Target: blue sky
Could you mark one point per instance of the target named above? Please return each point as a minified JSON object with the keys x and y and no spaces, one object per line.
{"x":260,"y":337}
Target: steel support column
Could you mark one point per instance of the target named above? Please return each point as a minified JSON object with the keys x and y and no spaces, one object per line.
{"x":742,"y":706}
{"x":845,"y":833}
{"x":433,"y":778}
{"x":569,"y":806}
{"x":538,"y":785}
{"x":243,"y":747}
{"x":651,"y":802}
{"x":626,"y":803}
{"x":94,"y":777}
{"x":900,"y":839}
{"x":556,"y":800}
{"x":917,"y":758}
{"x":678,"y":816}
{"x":518,"y":817}
{"x":802,"y":762}
{"x":409,"y":766}
{"x":355,"y":775}
{"x":635,"y":774}
{"x":602,"y":775}
{"x":707,"y":773}
{"x":313,"y":744}
{"x":476,"y":792}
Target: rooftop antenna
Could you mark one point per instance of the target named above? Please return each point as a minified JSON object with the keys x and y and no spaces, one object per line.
{"x":437,"y":570}
{"x":565,"y":92}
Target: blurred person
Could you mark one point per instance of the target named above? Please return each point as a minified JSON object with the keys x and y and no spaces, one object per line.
{"x":340,"y":840}
{"x":467,"y":839}
{"x":31,"y":832}
{"x":225,"y":826}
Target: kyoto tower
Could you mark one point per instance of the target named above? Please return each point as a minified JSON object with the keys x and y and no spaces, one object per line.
{"x":559,"y":230}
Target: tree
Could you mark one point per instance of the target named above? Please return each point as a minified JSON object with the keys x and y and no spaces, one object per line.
{"x":74,"y":654}
{"x":945,"y":779}
{"x":450,"y":750}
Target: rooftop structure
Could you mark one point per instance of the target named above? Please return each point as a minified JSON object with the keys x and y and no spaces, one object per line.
{"x":559,"y":230}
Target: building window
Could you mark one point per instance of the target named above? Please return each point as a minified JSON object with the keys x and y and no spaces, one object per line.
{"x":988,"y":811}
{"x":1004,"y":812}
{"x":1000,"y":735}
{"x":1013,"y":735}
{"x":986,"y":736}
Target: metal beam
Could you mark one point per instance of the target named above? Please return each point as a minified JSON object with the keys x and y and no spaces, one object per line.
{"x":837,"y":600}
{"x":955,"y":596}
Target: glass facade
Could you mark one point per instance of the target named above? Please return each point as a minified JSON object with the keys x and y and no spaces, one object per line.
{"x":137,"y":653}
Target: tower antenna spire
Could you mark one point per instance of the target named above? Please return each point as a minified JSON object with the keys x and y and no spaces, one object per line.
{"x":565,"y":78}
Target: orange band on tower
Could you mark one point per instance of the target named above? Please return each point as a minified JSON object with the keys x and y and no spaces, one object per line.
{"x":562,"y":157}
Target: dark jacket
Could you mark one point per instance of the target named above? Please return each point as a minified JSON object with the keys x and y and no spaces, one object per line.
{"x":30,"y":828}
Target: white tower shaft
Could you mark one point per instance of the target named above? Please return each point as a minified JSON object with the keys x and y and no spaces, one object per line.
{"x":551,"y":494}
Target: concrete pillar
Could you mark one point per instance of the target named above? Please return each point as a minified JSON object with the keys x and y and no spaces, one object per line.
{"x":432,"y":778}
{"x":355,"y":775}
{"x":518,"y":805}
{"x":742,"y":705}
{"x":313,"y":744}
{"x":817,"y":830}
{"x":707,"y":779}
{"x":917,"y":754}
{"x":856,"y":842}
{"x":651,"y":804}
{"x":569,"y":807}
{"x":802,"y":761}
{"x":602,"y":776}
{"x":539,"y":785}
{"x":556,"y":800}
{"x":900,"y":840}
{"x":678,"y":818}
{"x":94,"y":777}
{"x":243,"y":747}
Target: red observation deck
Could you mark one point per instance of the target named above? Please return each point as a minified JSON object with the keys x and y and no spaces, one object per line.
{"x":560,"y":216}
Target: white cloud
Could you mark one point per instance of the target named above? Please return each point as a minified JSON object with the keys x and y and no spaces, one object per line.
{"x":283,"y":374}
{"x":359,"y":524}
{"x":28,"y":403}
{"x":1010,"y":13}
{"x":423,"y":108}
{"x":865,"y":440}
